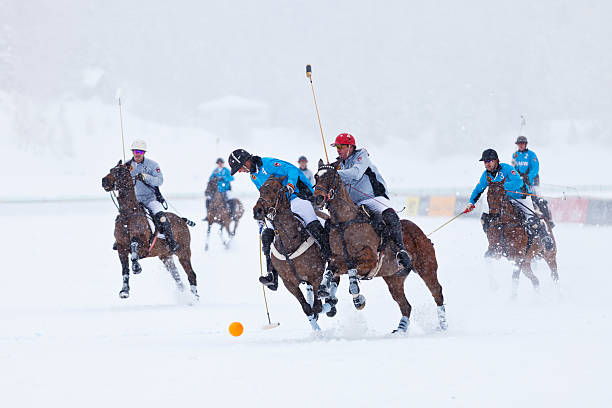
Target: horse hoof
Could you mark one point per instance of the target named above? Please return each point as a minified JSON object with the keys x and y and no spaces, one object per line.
{"x":124,"y":294}
{"x":136,"y":268}
{"x":332,"y":312}
{"x":359,"y":302}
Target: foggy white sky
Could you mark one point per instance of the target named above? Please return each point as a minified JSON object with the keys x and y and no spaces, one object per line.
{"x":386,"y":68}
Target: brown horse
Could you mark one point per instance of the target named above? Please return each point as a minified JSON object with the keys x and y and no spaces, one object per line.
{"x":295,"y":255}
{"x":355,"y":245}
{"x":507,"y":237}
{"x":218,"y":212}
{"x":134,"y":237}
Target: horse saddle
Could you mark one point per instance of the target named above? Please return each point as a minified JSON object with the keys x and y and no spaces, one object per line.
{"x":376,"y":221}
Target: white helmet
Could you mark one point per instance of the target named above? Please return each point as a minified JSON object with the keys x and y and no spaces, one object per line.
{"x":139,"y":145}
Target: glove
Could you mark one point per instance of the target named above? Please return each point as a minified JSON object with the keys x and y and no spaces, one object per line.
{"x":262,"y":225}
{"x":470,"y":207}
{"x":290,"y":189}
{"x":141,"y":177}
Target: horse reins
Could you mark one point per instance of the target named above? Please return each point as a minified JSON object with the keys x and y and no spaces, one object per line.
{"x":271,"y":215}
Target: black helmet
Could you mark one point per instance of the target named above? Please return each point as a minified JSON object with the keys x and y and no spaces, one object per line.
{"x":488,"y":155}
{"x":302,"y":158}
{"x":220,"y":160}
{"x":521,"y":139}
{"x":237,"y":159}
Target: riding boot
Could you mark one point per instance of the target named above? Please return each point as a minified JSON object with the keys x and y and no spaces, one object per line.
{"x":166,"y":229}
{"x":542,"y":204}
{"x":395,"y":233}
{"x":271,"y":279}
{"x":322,"y":236}
{"x":115,"y":246}
{"x":232,"y":207}
{"x":539,"y":228}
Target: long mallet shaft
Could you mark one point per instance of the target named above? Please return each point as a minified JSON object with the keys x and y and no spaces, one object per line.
{"x":447,"y":222}
{"x":121,"y":123}
{"x":270,"y":325}
{"x":309,"y":76}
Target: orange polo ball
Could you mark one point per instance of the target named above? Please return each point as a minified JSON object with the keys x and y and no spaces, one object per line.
{"x":236,"y":329}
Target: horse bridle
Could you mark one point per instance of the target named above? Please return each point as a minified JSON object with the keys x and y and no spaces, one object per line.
{"x":273,"y":208}
{"x":330,"y":193}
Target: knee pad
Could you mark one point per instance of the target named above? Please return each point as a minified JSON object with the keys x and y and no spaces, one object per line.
{"x":161,"y":217}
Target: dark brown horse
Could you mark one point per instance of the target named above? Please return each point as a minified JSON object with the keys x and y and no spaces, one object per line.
{"x":507,"y":237}
{"x":355,"y":245}
{"x":292,"y":241}
{"x":218,"y":212}
{"x":134,"y":236}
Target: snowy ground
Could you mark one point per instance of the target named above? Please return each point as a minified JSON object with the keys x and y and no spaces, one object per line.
{"x":66,"y":339}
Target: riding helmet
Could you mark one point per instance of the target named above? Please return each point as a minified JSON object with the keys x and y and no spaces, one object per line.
{"x":488,"y":155}
{"x":521,"y":139}
{"x":237,"y":159}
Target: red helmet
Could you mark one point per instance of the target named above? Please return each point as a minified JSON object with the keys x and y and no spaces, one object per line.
{"x":344,"y":138}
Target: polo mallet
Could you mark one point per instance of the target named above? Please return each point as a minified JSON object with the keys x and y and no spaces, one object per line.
{"x":270,"y":325}
{"x":523,"y":124}
{"x":309,"y":76}
{"x":448,"y":222}
{"x":118,"y":95}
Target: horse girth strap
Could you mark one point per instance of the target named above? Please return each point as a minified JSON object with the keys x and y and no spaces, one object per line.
{"x":299,"y":251}
{"x":287,"y":258}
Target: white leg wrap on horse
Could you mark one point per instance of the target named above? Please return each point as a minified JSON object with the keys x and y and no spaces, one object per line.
{"x":403,"y":325}
{"x":313,"y":322}
{"x":353,"y":282}
{"x":310,"y":295}
{"x":333,"y":288}
{"x":442,"y":317}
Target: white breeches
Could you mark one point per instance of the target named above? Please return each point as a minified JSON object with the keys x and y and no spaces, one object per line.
{"x":155,"y":206}
{"x":304,"y":209}
{"x":526,"y":204}
{"x":229,"y":194}
{"x":376,"y":204}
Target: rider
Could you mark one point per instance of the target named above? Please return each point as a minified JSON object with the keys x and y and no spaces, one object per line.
{"x":223,"y":177}
{"x":303,"y":165}
{"x":299,"y":188}
{"x":147,"y":176}
{"x":526,"y":163}
{"x":513,"y":184}
{"x":366,"y":186}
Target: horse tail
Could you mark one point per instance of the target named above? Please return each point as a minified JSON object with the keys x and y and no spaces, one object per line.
{"x":188,"y":222}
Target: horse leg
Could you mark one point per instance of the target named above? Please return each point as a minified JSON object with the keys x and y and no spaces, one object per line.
{"x":358,"y":299}
{"x":396,"y":288}
{"x":125,"y":273}
{"x":332,"y":300}
{"x":315,"y":303}
{"x":431,"y":281}
{"x":526,"y":268}
{"x":136,"y":268}
{"x":308,"y":310}
{"x":551,"y":260}
{"x":171,"y":267}
{"x":184,"y":257}
{"x":207,"y":236}
{"x":516,"y":273}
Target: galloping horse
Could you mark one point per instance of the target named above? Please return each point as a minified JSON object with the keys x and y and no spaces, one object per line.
{"x":218,"y":212}
{"x":295,"y":255}
{"x":355,"y":245}
{"x":507,"y":237}
{"x":134,"y":237}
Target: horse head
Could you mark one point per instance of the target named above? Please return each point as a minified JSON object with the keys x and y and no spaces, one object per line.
{"x":272,"y":197}
{"x":118,"y":178}
{"x":327,"y":180}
